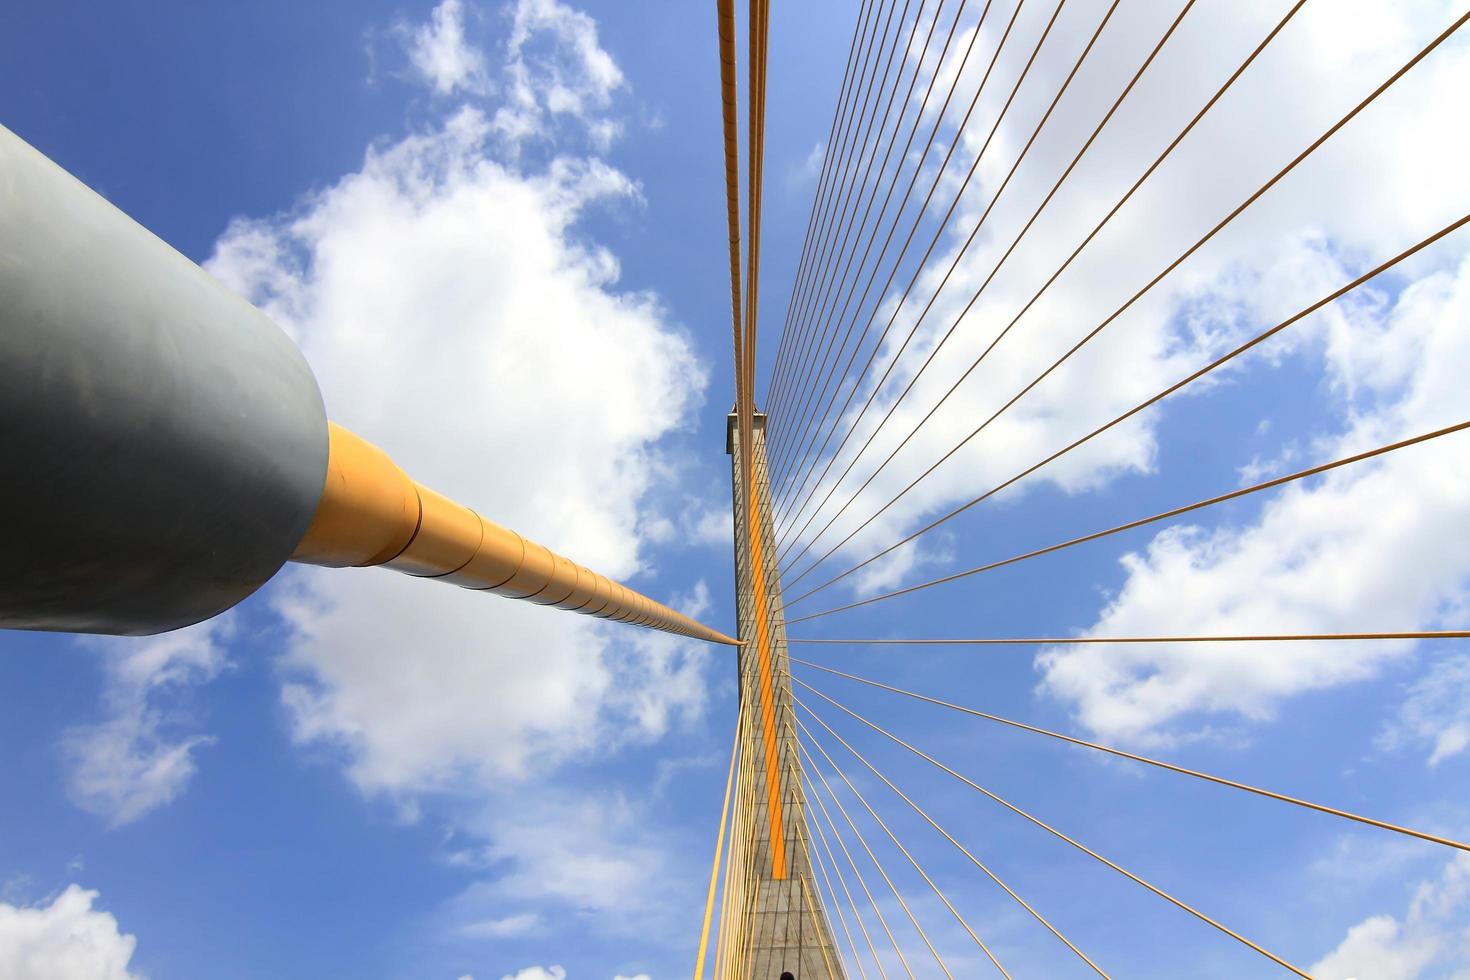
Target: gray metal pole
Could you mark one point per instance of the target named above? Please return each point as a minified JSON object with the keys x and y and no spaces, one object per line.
{"x":163,"y":444}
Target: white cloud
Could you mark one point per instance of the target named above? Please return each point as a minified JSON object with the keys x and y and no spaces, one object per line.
{"x":141,"y":757}
{"x":443,"y":57}
{"x":538,"y":973}
{"x":582,"y":858}
{"x":1390,"y":360}
{"x":1436,"y":711}
{"x":1361,"y":550}
{"x":715,"y":526}
{"x":65,"y":940}
{"x":590,"y":853}
{"x":556,"y":68}
{"x":510,"y":925}
{"x":1364,"y":195}
{"x":455,"y":313}
{"x":1435,"y":930}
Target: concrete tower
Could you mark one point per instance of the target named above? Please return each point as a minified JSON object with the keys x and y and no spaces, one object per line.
{"x":782,"y":926}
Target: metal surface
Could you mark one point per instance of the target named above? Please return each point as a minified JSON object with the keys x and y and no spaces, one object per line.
{"x":372,"y":513}
{"x":164,"y":442}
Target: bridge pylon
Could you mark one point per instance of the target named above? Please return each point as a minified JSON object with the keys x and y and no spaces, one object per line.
{"x":775,"y":922}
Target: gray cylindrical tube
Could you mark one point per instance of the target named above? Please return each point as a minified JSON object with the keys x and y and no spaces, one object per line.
{"x":164,"y":443}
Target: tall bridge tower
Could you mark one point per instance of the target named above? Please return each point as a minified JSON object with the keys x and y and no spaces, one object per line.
{"x":780,"y":925}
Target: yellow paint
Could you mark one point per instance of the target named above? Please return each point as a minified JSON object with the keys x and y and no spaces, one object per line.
{"x":763,"y":657}
{"x":372,"y":513}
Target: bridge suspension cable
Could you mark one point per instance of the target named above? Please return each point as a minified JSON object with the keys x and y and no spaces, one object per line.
{"x":1063,"y":640}
{"x":714,"y":871}
{"x":811,"y":739}
{"x":839,"y":214}
{"x":1036,"y":821}
{"x":779,"y":473}
{"x":1135,"y":410}
{"x":837,"y":834}
{"x":894,"y":70}
{"x":1164,"y":515}
{"x":1239,"y":209}
{"x":1056,"y":274}
{"x":793,"y":513}
{"x":1123,"y":754}
{"x":852,"y":903}
{"x":819,"y":311}
{"x":938,"y":119}
{"x":949,"y":837}
{"x":783,"y":350}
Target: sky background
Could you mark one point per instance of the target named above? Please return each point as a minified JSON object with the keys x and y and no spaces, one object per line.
{"x":497,"y":232}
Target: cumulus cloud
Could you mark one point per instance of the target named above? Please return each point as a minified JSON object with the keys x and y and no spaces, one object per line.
{"x":66,"y":939}
{"x":538,"y":973}
{"x":1361,"y":550}
{"x":591,"y":852}
{"x":1363,"y":195}
{"x":1433,"y":932}
{"x":142,"y":755}
{"x":1435,"y":712}
{"x":556,"y":70}
{"x":443,"y":57}
{"x":454,"y":314}
{"x":1386,"y":355}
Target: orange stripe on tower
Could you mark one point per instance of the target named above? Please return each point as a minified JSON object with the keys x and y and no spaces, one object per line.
{"x":763,"y":661}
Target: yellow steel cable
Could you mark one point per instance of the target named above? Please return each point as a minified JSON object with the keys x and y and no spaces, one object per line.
{"x":1165,"y":515}
{"x":995,"y":270}
{"x":783,"y":470}
{"x":829,"y":274}
{"x":949,"y":837}
{"x":783,"y":351}
{"x":995,"y":128}
{"x":1080,"y":846}
{"x":755,"y":544}
{"x":839,"y":187}
{"x":852,"y":863}
{"x":903,"y":157}
{"x":725,"y":15}
{"x":745,"y":408}
{"x":1056,"y":640}
{"x":738,"y":866}
{"x":724,"y":908}
{"x":1256,"y":195}
{"x":796,"y":537}
{"x":954,"y":325}
{"x":852,"y":825}
{"x":833,"y":899}
{"x":974,"y":36}
{"x":799,"y":322}
{"x":1233,"y":784}
{"x":740,"y":909}
{"x":714,"y":870}
{"x":812,"y":912}
{"x":725,"y":889}
{"x":842,"y":880}
{"x":905,"y":852}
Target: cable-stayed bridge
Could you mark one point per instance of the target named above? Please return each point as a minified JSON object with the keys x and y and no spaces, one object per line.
{"x":176,"y":453}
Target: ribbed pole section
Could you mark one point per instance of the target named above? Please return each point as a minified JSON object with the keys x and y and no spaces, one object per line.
{"x":372,"y":513}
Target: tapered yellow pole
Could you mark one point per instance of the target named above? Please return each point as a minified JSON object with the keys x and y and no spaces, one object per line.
{"x":372,"y":513}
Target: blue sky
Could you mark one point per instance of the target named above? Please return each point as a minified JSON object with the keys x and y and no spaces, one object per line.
{"x":497,"y":232}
